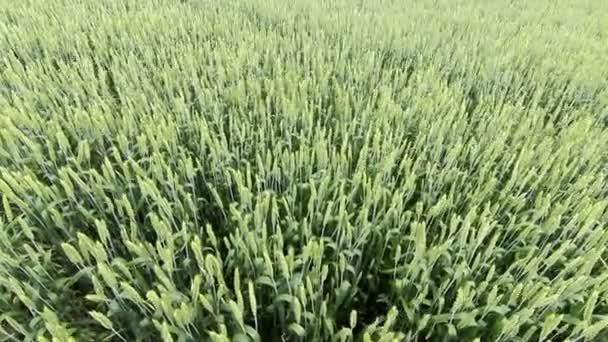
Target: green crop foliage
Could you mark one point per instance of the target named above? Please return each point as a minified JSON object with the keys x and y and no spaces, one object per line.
{"x":303,"y":170}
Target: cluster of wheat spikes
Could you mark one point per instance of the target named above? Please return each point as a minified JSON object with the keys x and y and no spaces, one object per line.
{"x":266,"y":170}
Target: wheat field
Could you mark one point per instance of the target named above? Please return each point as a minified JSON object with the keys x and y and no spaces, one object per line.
{"x":321,"y":170}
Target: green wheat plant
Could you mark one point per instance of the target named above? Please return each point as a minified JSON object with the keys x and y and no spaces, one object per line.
{"x":325,"y":170}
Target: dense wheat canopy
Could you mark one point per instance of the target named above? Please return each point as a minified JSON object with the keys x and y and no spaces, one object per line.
{"x":303,"y":170}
